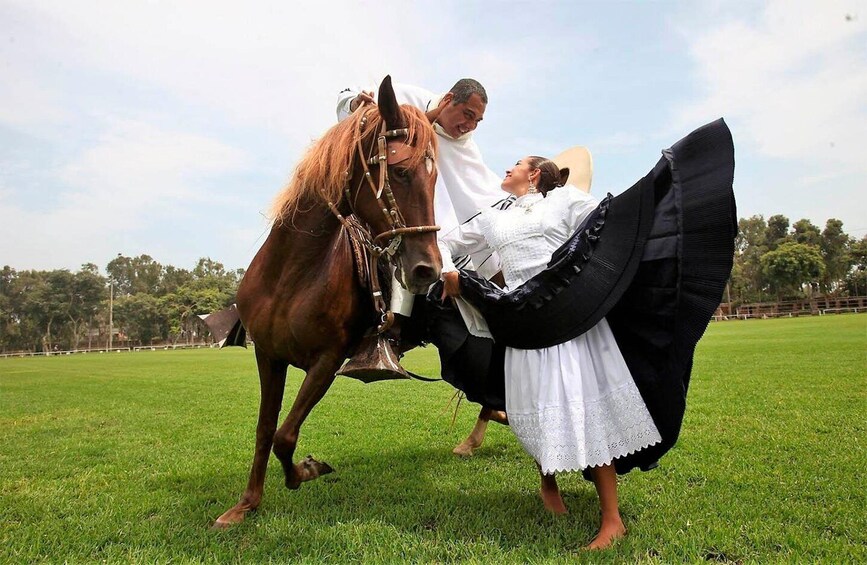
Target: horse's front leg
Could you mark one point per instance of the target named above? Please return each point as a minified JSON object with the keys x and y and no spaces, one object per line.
{"x":272,"y":381}
{"x":316,"y":383}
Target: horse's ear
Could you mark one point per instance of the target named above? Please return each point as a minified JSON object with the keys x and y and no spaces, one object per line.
{"x":389,"y":109}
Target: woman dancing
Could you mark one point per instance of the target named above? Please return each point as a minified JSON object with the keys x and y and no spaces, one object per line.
{"x":573,"y":406}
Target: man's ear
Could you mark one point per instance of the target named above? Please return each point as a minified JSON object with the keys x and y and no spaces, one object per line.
{"x":447,"y":99}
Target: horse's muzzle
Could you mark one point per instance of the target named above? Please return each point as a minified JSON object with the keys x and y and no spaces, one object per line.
{"x":425,"y":275}
{"x":420,"y":277}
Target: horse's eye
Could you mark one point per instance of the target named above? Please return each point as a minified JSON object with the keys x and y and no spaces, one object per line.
{"x":402,"y":173}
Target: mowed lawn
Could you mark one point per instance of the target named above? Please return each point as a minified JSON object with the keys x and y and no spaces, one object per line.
{"x":130,"y":457}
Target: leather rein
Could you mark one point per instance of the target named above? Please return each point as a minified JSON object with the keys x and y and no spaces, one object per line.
{"x":392,"y":148}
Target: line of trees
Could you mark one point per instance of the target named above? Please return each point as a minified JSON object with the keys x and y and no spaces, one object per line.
{"x":59,"y":309}
{"x":776,"y":261}
{"x":46,"y":310}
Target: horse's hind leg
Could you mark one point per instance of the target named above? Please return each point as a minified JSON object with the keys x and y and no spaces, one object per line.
{"x":316,"y":383}
{"x":272,"y":380}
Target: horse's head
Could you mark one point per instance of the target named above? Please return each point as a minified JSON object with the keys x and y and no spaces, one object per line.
{"x":391,"y":186}
{"x":379,"y":165}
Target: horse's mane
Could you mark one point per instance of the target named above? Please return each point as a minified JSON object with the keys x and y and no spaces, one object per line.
{"x":322,"y":172}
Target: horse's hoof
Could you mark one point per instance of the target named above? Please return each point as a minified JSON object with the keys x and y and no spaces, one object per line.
{"x":306,"y":470}
{"x":229,"y":518}
{"x":315,"y":468}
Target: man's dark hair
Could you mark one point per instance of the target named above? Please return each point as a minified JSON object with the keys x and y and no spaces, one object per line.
{"x":466,"y":87}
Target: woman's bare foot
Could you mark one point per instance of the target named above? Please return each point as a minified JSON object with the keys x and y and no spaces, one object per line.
{"x":612,"y":528}
{"x":610,"y":532}
{"x":474,"y":440}
{"x":550,"y":494}
{"x":466,"y":447}
{"x":553,"y":502}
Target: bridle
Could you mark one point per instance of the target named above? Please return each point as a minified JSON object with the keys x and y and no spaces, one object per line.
{"x":393,"y":148}
{"x":390,"y":152}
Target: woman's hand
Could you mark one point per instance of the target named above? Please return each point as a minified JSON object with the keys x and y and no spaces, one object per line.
{"x":451,"y":285}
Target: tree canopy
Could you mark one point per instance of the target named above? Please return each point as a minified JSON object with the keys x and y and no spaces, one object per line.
{"x":59,"y":309}
{"x":776,"y":261}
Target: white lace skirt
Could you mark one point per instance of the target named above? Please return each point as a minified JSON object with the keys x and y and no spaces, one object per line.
{"x":575,"y":405}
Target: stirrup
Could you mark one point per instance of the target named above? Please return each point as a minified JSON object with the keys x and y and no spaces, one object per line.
{"x":374,"y":360}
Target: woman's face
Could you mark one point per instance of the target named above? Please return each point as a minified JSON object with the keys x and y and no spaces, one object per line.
{"x":517,"y":179}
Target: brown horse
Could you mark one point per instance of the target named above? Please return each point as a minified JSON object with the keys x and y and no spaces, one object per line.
{"x":300,"y":299}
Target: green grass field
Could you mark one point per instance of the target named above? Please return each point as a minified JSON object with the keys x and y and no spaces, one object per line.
{"x":129,"y":457}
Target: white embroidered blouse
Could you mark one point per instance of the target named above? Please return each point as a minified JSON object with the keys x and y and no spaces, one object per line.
{"x":524,"y":235}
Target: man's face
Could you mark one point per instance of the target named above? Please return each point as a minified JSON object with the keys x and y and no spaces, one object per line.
{"x":460,"y":119}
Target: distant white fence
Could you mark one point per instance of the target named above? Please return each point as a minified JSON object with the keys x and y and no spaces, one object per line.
{"x":792,"y":308}
{"x":768,"y":315}
{"x":112,"y":350}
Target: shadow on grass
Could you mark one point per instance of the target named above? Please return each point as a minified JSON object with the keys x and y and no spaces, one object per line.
{"x":409,"y":493}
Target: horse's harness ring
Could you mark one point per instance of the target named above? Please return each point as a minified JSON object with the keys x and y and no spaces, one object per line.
{"x":390,"y":152}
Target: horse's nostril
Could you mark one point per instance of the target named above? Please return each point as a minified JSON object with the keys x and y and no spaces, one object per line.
{"x":424,"y":273}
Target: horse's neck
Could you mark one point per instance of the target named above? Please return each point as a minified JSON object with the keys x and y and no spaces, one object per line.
{"x":305,"y":240}
{"x":311,"y":226}
{"x":310,"y":217}
{"x":301,"y":278}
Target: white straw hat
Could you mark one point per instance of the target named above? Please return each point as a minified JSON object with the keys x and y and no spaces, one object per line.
{"x":580,"y":165}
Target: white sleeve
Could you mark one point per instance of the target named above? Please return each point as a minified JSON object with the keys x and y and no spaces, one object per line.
{"x":576,"y":206}
{"x":464,"y":240}
{"x":405,"y":94}
{"x":413,"y":95}
{"x":343,"y":100}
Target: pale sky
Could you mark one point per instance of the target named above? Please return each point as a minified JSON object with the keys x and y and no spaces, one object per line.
{"x":167,"y":127}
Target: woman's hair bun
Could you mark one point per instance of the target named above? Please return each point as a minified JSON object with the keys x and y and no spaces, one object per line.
{"x":550,"y":176}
